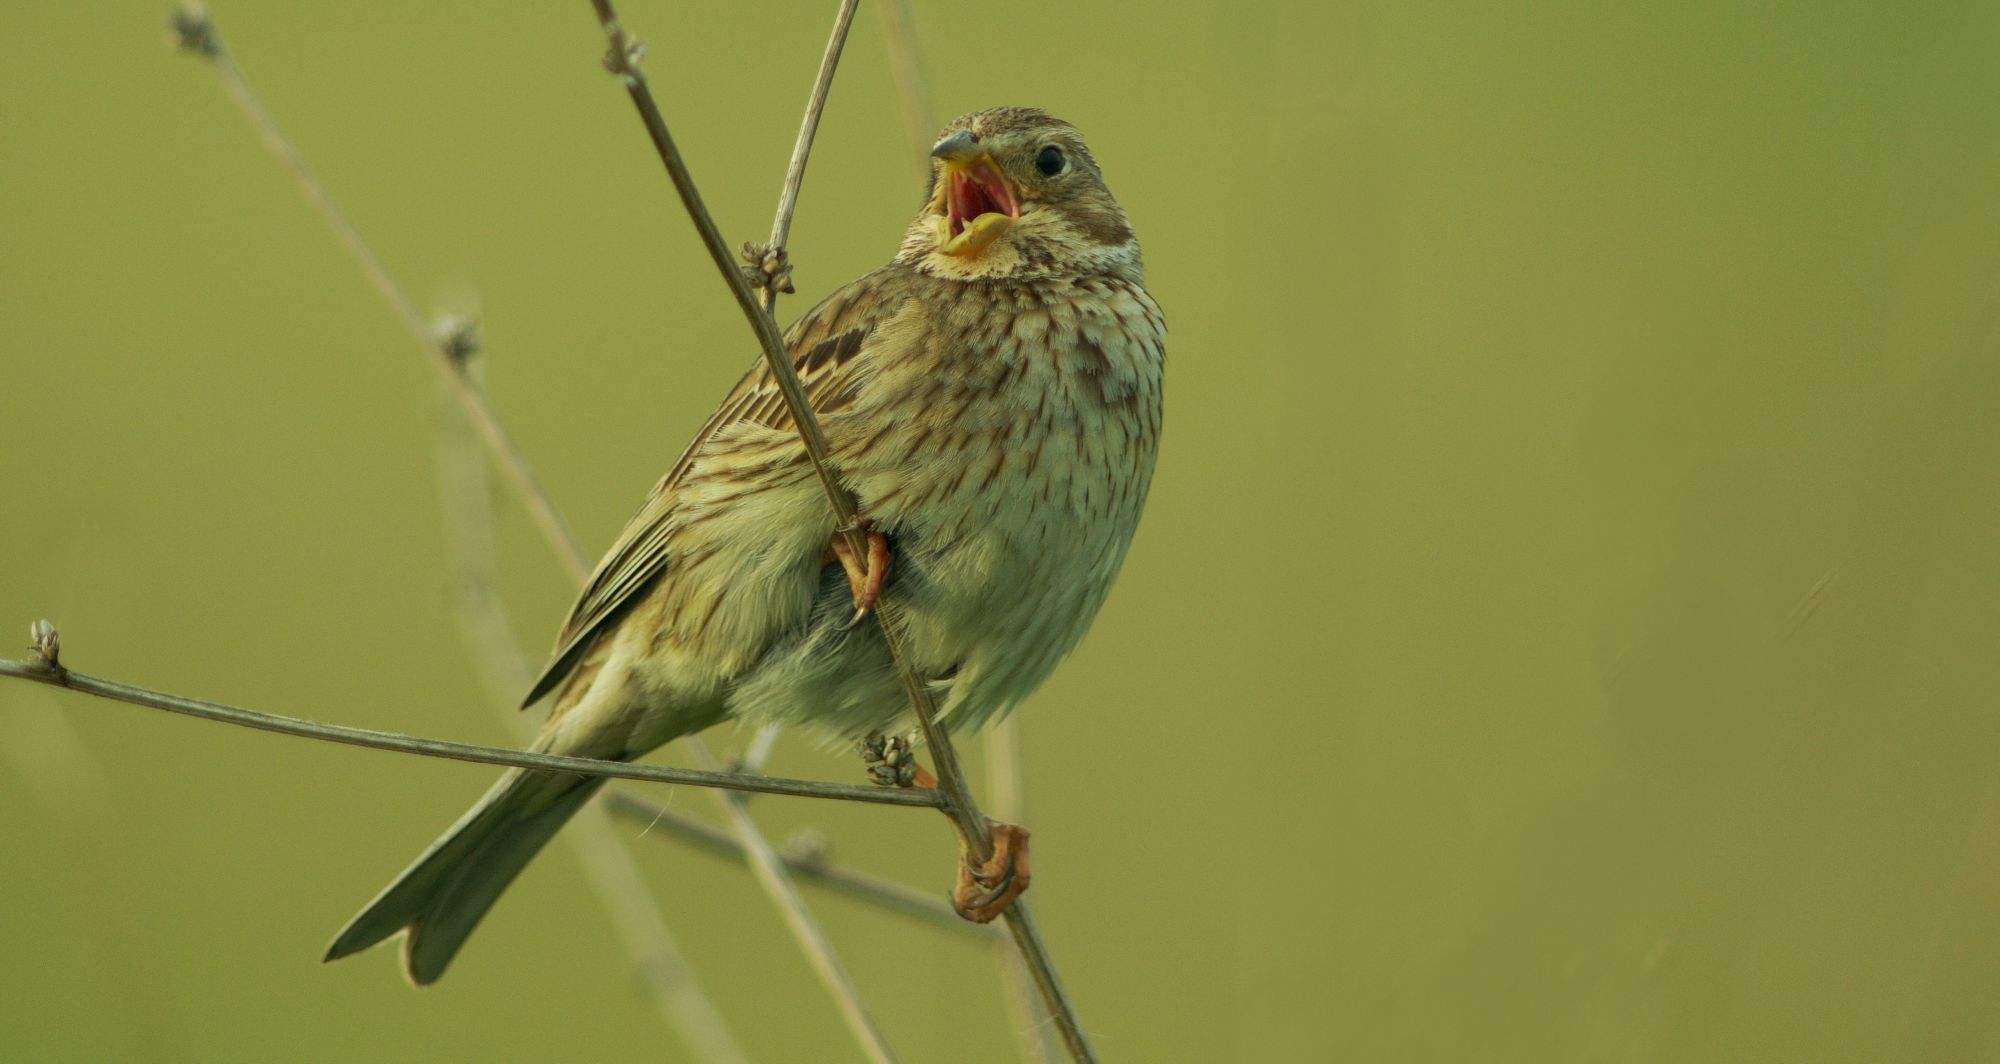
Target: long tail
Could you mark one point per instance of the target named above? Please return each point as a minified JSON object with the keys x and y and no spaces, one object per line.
{"x":442,"y":896}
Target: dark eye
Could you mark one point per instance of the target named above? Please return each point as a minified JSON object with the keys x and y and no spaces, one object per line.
{"x":1050,"y":161}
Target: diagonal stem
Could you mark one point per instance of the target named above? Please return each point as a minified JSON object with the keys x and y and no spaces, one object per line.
{"x":806,"y":867}
{"x":764,"y":862}
{"x":197,"y":35}
{"x":951,"y":777}
{"x":1006,"y":781}
{"x":795,"y":170}
{"x":1005,"y":742}
{"x":483,"y":623}
{"x":959,"y":804}
{"x":621,"y":61}
{"x":770,"y":870}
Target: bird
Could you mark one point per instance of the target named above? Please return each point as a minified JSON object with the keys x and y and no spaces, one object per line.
{"x":992,"y":400}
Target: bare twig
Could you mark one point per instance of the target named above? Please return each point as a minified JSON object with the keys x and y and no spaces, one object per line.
{"x":826,"y":964}
{"x":621,"y":59}
{"x":51,"y":758}
{"x":807,"y":864}
{"x":1006,"y":781}
{"x":471,"y":549}
{"x":1005,"y":741}
{"x":1034,"y":956}
{"x":758,"y":751}
{"x":795,"y":171}
{"x":488,"y":634}
{"x":483,"y":621}
{"x":608,"y":864}
{"x":197,"y":36}
{"x":764,"y":863}
{"x":37,"y":670}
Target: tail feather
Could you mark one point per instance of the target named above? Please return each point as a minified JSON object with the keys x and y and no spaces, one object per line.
{"x":441,"y":897}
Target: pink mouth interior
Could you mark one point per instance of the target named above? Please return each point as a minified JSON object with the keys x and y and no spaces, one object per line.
{"x":976,"y":191}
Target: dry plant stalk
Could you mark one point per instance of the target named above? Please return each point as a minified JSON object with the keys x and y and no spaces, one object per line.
{"x":196,"y":34}
{"x":621,"y":59}
{"x":488,"y":634}
{"x":804,"y":857}
{"x":770,"y":871}
{"x":1006,"y":743}
{"x":44,"y":668}
{"x":952,"y":796}
{"x":483,"y":623}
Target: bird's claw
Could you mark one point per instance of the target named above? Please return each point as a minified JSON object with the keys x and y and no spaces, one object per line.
{"x":865,"y":575}
{"x":985,"y":889}
{"x":988,"y":888}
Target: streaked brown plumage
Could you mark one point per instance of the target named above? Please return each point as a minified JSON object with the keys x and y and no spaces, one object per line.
{"x":992,"y":397}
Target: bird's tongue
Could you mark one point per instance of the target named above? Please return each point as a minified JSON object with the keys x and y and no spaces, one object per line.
{"x":978,"y":208}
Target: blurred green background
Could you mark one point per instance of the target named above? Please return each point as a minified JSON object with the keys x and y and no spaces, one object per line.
{"x":1564,"y":628}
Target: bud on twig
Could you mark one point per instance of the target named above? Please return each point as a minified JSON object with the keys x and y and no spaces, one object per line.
{"x":192,"y":32}
{"x":767,"y":266}
{"x":45,"y":646}
{"x":891,"y":761}
{"x":457,"y":337}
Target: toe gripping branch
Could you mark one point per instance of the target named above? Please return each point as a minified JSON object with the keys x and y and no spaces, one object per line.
{"x":985,"y":889}
{"x":865,"y":576}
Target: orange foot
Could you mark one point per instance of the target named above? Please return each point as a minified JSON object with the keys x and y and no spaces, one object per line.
{"x":987,"y":889}
{"x":864,"y":576}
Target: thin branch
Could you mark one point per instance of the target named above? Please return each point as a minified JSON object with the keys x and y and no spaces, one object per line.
{"x":1006,"y":743}
{"x":488,"y":634}
{"x":621,"y":59}
{"x":781,"y":231}
{"x":795,"y":171}
{"x":1034,"y":956}
{"x":1007,"y":791}
{"x":471,"y":547}
{"x":55,"y":676}
{"x":764,"y":863}
{"x":757,"y":753}
{"x":807,"y":864}
{"x":611,"y":869}
{"x":951,"y":777}
{"x":197,"y":36}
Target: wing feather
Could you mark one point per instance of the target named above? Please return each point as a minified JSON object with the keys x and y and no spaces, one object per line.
{"x":824,"y":345}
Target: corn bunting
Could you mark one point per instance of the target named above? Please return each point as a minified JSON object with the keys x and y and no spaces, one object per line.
{"x":992,"y":399}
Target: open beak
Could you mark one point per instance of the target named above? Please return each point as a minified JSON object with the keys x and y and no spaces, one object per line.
{"x":979,"y":204}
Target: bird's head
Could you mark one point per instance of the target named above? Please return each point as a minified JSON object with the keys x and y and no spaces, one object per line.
{"x":1014,"y":193}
